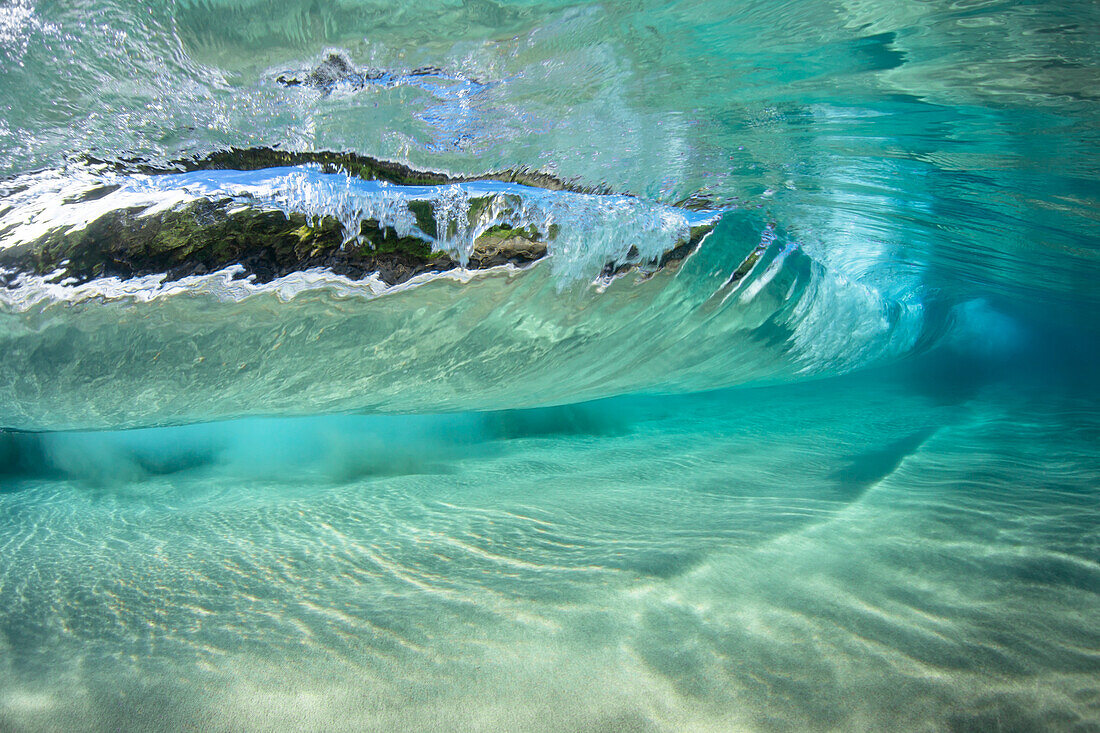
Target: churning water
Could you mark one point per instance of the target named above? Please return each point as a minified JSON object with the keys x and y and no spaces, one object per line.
{"x":835,"y":465}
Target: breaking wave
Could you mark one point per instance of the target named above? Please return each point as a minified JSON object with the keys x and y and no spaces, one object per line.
{"x":600,"y":314}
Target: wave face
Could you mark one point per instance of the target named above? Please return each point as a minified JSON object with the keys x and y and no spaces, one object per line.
{"x":911,"y":191}
{"x":548,"y":366}
{"x":746,"y":305}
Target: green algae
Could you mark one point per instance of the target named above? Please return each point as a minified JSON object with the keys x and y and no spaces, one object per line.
{"x":424,"y":214}
{"x":205,"y":236}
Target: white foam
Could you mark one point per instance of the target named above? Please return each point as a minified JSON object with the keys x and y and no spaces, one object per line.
{"x":226,"y":285}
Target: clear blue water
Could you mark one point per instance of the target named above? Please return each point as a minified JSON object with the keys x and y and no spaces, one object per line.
{"x":856,"y":489}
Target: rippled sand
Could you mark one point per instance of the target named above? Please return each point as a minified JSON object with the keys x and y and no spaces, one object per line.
{"x":848,"y":554}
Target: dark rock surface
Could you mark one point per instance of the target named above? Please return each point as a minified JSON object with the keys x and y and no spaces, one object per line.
{"x":206,"y":236}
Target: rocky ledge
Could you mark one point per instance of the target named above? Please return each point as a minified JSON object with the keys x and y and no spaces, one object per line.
{"x":208,"y":235}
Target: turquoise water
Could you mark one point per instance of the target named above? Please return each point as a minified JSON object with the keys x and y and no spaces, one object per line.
{"x":854,"y":487}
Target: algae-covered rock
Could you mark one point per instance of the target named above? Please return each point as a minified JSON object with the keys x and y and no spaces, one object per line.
{"x":205,"y":236}
{"x":222,"y":229}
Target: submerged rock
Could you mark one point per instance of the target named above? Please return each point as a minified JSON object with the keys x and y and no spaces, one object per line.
{"x":274,"y":213}
{"x":205,"y":236}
